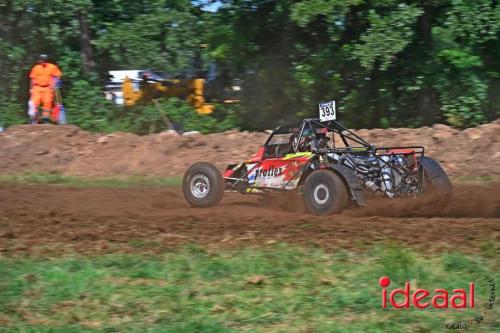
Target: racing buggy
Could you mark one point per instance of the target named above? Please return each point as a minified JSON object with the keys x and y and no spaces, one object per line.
{"x":327,"y":164}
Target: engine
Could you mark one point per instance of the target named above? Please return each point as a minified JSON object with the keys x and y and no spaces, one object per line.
{"x":392,"y":174}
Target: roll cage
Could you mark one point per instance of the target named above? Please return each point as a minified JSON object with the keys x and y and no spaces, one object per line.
{"x":350,"y":142}
{"x":309,"y":130}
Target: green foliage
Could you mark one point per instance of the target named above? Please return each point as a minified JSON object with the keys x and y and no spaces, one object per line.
{"x":224,"y":118}
{"x":464,"y":107}
{"x":162,"y":35}
{"x":174,"y":114}
{"x":11,"y":113}
{"x":474,"y":22}
{"x":86,"y":107}
{"x":385,"y":62}
{"x":305,"y":12}
{"x":461,"y":59}
{"x":387,"y":36}
{"x":467,"y":28}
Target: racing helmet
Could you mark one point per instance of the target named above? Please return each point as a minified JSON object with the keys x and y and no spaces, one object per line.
{"x":308,"y":133}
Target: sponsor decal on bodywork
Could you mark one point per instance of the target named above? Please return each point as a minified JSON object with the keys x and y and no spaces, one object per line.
{"x":278,"y":173}
{"x":271,"y":172}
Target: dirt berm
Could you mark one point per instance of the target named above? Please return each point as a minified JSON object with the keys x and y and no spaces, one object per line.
{"x":72,"y":151}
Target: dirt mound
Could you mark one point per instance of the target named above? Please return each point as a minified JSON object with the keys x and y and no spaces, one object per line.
{"x":71,"y":151}
{"x":42,"y":218}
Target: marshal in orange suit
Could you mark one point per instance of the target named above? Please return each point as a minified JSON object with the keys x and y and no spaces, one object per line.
{"x":43,"y":77}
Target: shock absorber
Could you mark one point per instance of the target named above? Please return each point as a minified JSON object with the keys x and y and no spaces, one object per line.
{"x":386,"y":176}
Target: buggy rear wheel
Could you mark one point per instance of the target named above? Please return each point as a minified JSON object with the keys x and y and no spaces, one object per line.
{"x":202,"y":185}
{"x":324,"y":193}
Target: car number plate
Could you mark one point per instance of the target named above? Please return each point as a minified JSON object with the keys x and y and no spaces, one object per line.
{"x":327,"y":111}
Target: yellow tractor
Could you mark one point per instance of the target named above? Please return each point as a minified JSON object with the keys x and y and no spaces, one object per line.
{"x":153,"y":86}
{"x":131,"y":87}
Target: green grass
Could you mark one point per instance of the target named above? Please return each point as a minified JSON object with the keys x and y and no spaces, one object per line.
{"x":58,"y":179}
{"x":195,"y":290}
{"x":55,"y":178}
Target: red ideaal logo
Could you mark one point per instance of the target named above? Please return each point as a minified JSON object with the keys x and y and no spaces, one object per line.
{"x":440,"y":299}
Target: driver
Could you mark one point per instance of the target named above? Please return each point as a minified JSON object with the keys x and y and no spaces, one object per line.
{"x":305,"y":143}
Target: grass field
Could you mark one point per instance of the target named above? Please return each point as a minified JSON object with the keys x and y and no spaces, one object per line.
{"x":36,"y":178}
{"x":280,"y":288}
{"x":54,"y":178}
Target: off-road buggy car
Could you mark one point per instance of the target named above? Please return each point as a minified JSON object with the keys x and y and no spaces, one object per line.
{"x":326,"y":163}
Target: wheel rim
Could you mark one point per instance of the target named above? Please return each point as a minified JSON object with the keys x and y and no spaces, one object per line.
{"x":321,"y":194}
{"x":200,"y":186}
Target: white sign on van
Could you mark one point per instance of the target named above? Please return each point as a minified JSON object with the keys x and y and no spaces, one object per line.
{"x":327,"y":111}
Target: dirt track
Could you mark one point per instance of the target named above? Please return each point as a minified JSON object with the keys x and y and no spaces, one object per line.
{"x":42,"y":218}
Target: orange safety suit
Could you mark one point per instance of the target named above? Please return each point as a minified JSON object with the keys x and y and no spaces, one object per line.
{"x":42,"y":86}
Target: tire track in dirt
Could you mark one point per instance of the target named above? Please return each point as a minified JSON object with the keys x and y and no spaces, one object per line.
{"x":55,"y":219}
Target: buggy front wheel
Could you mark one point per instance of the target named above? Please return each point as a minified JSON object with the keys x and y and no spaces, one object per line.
{"x":202,"y":185}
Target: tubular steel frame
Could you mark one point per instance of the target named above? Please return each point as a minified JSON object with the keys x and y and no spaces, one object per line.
{"x":339,"y":129}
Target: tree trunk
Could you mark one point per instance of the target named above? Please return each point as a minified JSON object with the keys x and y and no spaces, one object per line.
{"x":85,"y":44}
{"x":374,"y":98}
{"x":427,"y":100}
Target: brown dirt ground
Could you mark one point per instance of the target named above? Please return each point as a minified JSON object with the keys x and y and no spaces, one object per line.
{"x":53,"y":219}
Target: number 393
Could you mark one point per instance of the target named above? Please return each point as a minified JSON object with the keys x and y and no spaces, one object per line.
{"x":327,"y":111}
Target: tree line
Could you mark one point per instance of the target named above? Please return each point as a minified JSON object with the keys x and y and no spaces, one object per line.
{"x":385,"y":62}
